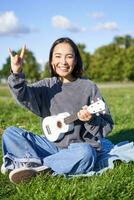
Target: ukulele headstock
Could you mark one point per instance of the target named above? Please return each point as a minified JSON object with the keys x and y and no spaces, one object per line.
{"x":97,"y":107}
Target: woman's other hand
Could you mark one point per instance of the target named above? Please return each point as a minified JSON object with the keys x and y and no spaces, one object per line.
{"x":84,"y":114}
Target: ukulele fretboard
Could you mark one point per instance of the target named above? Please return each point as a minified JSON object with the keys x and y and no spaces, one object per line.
{"x":71,"y":118}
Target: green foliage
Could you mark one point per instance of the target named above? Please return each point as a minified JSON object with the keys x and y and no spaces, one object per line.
{"x":31,"y":67}
{"x":112,"y":63}
{"x":116,"y":184}
{"x":129,"y":64}
{"x":124,"y":41}
{"x":4,"y":72}
{"x":107,"y":64}
{"x":85,"y":56}
{"x":46,"y":72}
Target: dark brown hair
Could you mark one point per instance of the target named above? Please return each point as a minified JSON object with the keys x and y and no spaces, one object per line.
{"x":78,"y":68}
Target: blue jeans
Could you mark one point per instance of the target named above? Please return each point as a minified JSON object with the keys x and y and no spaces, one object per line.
{"x":21,"y":146}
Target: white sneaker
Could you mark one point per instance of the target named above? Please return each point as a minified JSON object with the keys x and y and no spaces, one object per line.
{"x":24,"y":174}
{"x":4,"y":170}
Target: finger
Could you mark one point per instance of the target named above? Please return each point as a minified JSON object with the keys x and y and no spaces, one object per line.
{"x":86,"y":113}
{"x":83,"y":114}
{"x":16,"y":59}
{"x":85,"y":107}
{"x":23,"y":51}
{"x":10,"y":52}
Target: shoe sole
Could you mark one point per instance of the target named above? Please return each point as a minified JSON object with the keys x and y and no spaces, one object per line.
{"x":22,"y":175}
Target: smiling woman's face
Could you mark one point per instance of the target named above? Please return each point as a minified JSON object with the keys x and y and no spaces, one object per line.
{"x":63,"y":61}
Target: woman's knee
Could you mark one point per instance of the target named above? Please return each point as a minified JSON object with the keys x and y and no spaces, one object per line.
{"x":86,"y":151}
{"x":11,"y":131}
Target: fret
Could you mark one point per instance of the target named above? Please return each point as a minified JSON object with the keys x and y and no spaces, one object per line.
{"x":71,"y":118}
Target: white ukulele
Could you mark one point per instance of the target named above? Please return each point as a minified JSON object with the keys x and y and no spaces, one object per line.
{"x":56,"y":126}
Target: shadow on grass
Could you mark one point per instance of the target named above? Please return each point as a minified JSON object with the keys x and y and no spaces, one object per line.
{"x":122,"y":135}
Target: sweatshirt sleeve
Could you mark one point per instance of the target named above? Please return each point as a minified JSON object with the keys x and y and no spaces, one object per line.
{"x":28,"y":96}
{"x":100,"y":125}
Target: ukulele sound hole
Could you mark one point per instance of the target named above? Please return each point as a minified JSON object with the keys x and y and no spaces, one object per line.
{"x":59,"y":124}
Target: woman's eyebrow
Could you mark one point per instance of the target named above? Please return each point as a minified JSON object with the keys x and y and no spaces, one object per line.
{"x":61,"y":54}
{"x":57,"y":53}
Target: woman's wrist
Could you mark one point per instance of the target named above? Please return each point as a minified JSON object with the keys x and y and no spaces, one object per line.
{"x":15,"y":72}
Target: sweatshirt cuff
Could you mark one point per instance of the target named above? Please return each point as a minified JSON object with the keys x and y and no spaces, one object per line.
{"x":18,"y":75}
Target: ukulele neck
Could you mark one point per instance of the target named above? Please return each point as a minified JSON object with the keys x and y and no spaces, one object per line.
{"x":70,"y":119}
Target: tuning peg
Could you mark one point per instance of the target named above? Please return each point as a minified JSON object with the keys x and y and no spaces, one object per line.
{"x":97,"y":114}
{"x":104,"y":112}
{"x":92,"y":101}
{"x":98,"y":98}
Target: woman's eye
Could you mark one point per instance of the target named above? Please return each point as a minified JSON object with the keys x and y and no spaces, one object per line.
{"x":70,"y":57}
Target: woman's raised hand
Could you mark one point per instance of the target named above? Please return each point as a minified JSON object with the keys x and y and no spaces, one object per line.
{"x":17,"y":60}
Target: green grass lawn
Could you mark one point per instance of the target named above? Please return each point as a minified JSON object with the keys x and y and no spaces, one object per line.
{"x":113,"y":184}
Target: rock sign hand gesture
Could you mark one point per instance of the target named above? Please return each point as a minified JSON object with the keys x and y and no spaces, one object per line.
{"x":17,"y":60}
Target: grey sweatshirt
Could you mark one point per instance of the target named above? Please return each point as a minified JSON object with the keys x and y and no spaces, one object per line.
{"x":51,"y":97}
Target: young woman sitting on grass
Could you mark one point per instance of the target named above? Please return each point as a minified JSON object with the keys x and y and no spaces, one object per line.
{"x":25,"y":154}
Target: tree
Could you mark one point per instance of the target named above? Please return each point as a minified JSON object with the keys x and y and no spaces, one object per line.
{"x":5,"y":71}
{"x":123,"y":41}
{"x":119,"y":41}
{"x":85,"y":57}
{"x":129,"y":64}
{"x":107,"y":63}
{"x":31,"y":67}
{"x":46,"y":72}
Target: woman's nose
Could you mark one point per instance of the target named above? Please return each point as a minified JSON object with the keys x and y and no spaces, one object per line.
{"x":63,"y":60}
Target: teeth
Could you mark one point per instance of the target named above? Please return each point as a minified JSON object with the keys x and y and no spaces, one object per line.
{"x":63,"y":68}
